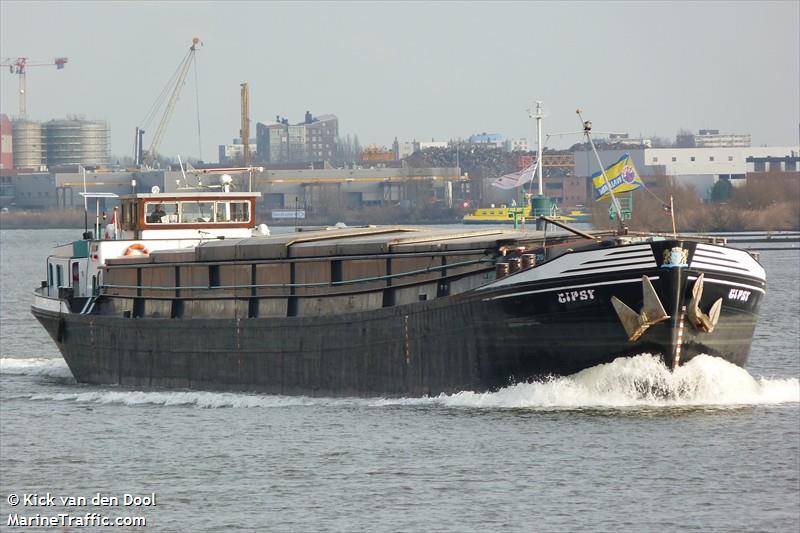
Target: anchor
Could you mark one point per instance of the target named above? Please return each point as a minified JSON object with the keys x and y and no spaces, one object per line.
{"x":653,"y":312}
{"x":701,"y":321}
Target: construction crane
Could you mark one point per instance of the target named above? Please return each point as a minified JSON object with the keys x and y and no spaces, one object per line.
{"x":244,"y":132}
{"x":179,"y":77}
{"x":19,"y":66}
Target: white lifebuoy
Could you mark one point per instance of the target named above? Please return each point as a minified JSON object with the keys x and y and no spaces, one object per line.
{"x":137,"y":249}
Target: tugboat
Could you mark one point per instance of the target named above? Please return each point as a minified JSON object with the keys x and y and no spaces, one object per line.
{"x":185,"y":293}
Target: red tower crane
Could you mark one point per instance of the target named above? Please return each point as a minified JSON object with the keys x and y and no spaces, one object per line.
{"x":19,"y":66}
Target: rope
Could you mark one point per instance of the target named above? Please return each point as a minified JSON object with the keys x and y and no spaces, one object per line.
{"x":161,"y":98}
{"x":646,"y":188}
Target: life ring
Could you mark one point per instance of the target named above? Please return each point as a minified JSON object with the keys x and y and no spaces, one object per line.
{"x":137,"y":249}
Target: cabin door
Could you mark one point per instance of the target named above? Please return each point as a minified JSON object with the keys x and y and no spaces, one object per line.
{"x":78,"y":277}
{"x":57,"y":276}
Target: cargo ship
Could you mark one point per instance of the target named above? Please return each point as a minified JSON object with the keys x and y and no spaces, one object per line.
{"x":184,"y":291}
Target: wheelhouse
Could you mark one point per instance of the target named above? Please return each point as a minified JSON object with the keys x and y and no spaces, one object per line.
{"x":187,"y":211}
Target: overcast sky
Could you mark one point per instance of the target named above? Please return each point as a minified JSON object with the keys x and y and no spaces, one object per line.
{"x":414,"y":69}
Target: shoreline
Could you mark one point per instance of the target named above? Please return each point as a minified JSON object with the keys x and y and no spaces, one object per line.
{"x":74,"y":219}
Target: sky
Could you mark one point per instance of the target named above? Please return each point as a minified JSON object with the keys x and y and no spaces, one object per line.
{"x":413,"y":70}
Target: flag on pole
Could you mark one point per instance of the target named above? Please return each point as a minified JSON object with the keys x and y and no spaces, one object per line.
{"x":110,"y":232}
{"x":622,"y":177}
{"x":516,"y":179}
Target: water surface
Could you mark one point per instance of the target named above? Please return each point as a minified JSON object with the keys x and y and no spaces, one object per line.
{"x":626,"y":447}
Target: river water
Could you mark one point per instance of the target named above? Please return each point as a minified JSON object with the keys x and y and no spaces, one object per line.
{"x":592,"y":452}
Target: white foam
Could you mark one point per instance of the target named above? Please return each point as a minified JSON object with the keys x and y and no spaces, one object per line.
{"x":35,"y":366}
{"x":187,"y":398}
{"x":640,"y":381}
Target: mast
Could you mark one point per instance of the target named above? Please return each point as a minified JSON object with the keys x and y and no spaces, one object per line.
{"x":539,"y":115}
{"x":244,"y":132}
{"x":587,"y":128}
{"x":85,"y":204}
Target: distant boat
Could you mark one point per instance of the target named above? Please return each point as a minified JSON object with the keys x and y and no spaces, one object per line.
{"x":578,"y":214}
{"x":505,"y":215}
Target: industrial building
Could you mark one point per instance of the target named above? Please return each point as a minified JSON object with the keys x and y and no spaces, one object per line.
{"x":495,"y":140}
{"x":520,"y":144}
{"x":559,"y":182}
{"x":376,"y":155}
{"x":316,"y":191}
{"x":76,"y":142}
{"x":358,"y":188}
{"x":61,"y":188}
{"x":6,"y":143}
{"x":405,"y":148}
{"x":35,"y":145}
{"x":314,"y":139}
{"x":715,"y":139}
{"x":700,"y":168}
{"x":233,"y":154}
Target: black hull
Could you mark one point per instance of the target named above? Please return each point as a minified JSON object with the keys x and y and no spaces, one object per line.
{"x":481,"y":340}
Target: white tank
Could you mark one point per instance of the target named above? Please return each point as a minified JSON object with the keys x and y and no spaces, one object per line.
{"x":94,"y":140}
{"x":27,"y":144}
{"x":76,"y":142}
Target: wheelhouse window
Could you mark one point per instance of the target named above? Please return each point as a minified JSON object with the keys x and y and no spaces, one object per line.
{"x":229,"y":211}
{"x":160,"y":212}
{"x":196,"y":212}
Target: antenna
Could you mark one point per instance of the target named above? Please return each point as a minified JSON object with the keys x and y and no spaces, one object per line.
{"x":183,"y":173}
{"x":85,"y":205}
{"x":587,"y":129}
{"x":538,"y":115}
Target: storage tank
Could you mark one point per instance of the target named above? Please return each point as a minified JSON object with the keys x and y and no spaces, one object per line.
{"x":76,"y":142}
{"x":27,"y":144}
{"x":94,"y":136}
{"x":63,"y":142}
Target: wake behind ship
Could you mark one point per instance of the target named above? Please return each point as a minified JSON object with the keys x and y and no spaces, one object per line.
{"x":182,"y":295}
